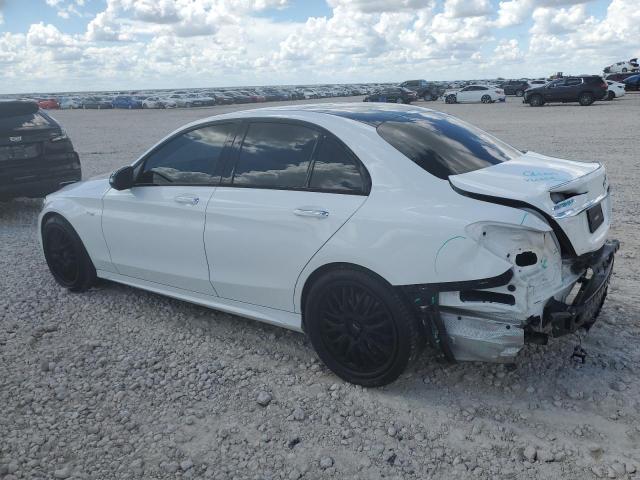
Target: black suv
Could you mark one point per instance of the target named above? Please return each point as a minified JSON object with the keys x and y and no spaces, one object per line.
{"x":584,"y":89}
{"x":514,"y":87}
{"x":36,"y":156}
{"x":392,"y":95}
{"x":425,"y":90}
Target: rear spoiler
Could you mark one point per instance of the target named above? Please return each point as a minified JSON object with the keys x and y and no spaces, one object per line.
{"x":13,"y":108}
{"x":573,"y":182}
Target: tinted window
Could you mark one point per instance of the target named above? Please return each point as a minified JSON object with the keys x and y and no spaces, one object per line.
{"x":27,"y":122}
{"x":335,"y":168}
{"x":188,"y":159}
{"x":275,"y":155}
{"x":445,"y":145}
{"x":573,"y":81}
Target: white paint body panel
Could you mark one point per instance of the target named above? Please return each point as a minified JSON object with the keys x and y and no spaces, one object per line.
{"x":258,"y":245}
{"x":153,"y":237}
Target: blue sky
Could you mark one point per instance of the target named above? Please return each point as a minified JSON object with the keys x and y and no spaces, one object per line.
{"x":118,"y":44}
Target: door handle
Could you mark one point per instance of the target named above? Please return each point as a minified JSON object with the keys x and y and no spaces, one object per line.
{"x":307,"y":212}
{"x":187,"y":199}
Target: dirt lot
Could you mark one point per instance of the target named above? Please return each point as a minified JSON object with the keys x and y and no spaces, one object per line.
{"x":120,"y":383}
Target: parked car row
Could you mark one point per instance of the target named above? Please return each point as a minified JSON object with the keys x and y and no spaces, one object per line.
{"x":197,"y":97}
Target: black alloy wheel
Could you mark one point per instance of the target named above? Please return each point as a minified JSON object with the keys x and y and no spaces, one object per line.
{"x":485,"y":99}
{"x":66,"y":256}
{"x":519,"y":93}
{"x":451,"y":99}
{"x":61,"y":255}
{"x":610,"y":95}
{"x":535,"y":101}
{"x":357,"y":329}
{"x":586,"y":99}
{"x":361,"y":328}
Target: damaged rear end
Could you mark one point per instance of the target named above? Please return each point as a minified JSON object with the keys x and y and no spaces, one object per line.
{"x":561,"y":261}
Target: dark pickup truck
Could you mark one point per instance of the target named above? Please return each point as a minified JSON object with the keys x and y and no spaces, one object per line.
{"x":36,"y":156}
{"x":583,"y":89}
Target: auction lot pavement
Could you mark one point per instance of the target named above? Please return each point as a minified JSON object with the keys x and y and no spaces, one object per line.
{"x":119,"y":383}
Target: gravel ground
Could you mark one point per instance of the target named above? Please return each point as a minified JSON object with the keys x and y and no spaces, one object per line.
{"x":120,"y":383}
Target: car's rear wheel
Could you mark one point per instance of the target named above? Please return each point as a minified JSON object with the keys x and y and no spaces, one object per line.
{"x":450,"y":99}
{"x":361,"y":328}
{"x":610,"y":95}
{"x":585,"y":99}
{"x":519,"y":93}
{"x":66,"y":256}
{"x":536,"y":101}
{"x":485,"y":99}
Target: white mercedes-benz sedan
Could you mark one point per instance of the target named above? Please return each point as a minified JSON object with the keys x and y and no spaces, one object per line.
{"x":372,"y":228}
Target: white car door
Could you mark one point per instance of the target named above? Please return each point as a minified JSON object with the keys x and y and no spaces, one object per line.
{"x":465,"y":94}
{"x":289,"y":188}
{"x":154,"y":230}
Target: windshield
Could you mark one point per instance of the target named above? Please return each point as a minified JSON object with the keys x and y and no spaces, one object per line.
{"x":444,"y":145}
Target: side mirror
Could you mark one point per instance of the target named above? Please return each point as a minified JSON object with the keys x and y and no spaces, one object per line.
{"x":122,"y":179}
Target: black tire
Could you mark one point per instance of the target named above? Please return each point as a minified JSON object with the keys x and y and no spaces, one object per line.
{"x":450,"y":99}
{"x":585,"y":99}
{"x":66,"y":256}
{"x":485,"y":99}
{"x":536,"y":101}
{"x":361,"y":328}
{"x":519,"y":93}
{"x":624,"y":70}
{"x":434,"y":98}
{"x":610,"y":95}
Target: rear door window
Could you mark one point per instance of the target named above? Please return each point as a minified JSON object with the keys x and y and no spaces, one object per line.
{"x":275,"y":155}
{"x":335,"y":169}
{"x":444,"y":145}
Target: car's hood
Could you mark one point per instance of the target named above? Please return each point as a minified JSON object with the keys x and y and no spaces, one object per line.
{"x":559,"y":189}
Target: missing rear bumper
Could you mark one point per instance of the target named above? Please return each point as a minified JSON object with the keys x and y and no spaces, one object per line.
{"x":562,"y":318}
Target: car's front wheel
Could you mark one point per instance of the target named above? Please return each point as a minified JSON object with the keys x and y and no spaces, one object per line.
{"x":519,"y":93}
{"x":536,"y":101}
{"x":361,"y":328}
{"x":585,"y":99}
{"x":610,"y":95}
{"x":66,"y":256}
{"x":450,"y":99}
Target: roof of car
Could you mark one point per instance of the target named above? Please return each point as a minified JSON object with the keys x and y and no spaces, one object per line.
{"x":372,"y":114}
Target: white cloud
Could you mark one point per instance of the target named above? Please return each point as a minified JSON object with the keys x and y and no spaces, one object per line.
{"x":467,"y":8}
{"x":379,"y":6}
{"x":172,"y":43}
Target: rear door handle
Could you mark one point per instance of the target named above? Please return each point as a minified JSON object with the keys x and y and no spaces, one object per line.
{"x":187,"y":199}
{"x":311,"y":212}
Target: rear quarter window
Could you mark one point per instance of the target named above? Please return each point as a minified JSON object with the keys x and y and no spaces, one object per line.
{"x":445,"y":146}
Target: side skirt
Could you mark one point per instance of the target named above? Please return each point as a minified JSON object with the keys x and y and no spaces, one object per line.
{"x":279,"y":318}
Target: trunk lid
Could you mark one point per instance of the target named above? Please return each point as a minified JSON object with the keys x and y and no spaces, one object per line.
{"x":563,"y":191}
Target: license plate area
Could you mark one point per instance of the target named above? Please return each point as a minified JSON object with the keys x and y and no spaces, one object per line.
{"x":595,"y":217}
{"x":19,"y":152}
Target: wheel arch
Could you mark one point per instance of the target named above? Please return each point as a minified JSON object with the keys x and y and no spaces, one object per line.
{"x":323,"y":270}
